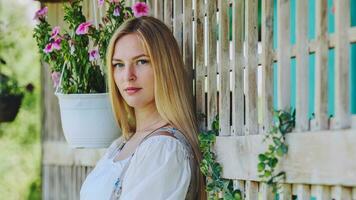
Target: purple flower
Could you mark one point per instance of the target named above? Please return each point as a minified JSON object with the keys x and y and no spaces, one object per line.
{"x":93,"y":55}
{"x":57,"y":43}
{"x":41,"y":13}
{"x":140,"y":9}
{"x":55,"y":78}
{"x":55,"y":32}
{"x":101,"y":2}
{"x":83,"y":28}
{"x":117,"y":11}
{"x":48,"y":48}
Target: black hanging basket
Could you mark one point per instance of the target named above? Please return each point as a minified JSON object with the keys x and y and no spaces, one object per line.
{"x":9,"y":107}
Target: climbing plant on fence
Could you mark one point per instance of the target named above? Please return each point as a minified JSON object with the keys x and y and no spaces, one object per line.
{"x":284,"y":123}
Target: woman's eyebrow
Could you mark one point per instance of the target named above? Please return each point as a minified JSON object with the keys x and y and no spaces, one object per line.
{"x":116,"y":59}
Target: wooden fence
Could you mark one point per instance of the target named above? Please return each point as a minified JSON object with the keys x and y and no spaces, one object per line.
{"x":243,"y":78}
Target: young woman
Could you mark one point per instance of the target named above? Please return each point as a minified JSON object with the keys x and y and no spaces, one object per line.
{"x":157,"y":157}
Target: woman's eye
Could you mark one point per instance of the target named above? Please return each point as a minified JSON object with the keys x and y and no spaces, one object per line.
{"x":142,"y":62}
{"x":118,"y":65}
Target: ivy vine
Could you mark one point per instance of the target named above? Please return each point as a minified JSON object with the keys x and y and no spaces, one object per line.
{"x":212,"y":169}
{"x":283,"y":124}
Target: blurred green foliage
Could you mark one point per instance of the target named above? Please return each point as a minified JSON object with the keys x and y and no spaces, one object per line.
{"x":20,"y":150}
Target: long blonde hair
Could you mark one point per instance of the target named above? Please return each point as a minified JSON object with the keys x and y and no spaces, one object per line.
{"x":173,"y":97}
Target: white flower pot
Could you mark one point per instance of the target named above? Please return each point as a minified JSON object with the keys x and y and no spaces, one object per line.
{"x":88,"y":120}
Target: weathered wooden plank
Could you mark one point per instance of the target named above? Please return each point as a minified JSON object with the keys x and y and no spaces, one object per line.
{"x":302,"y":191}
{"x":320,"y":192}
{"x":224,"y":68}
{"x":211,"y":48}
{"x":342,"y":56}
{"x":178,"y":22}
{"x":239,"y":185}
{"x":320,"y":163}
{"x":286,"y":192}
{"x":302,"y":67}
{"x":251,"y":190}
{"x":168,"y":13}
{"x":60,"y":153}
{"x":237,"y":65}
{"x":266,"y":192}
{"x":340,"y":193}
{"x":283,"y":54}
{"x":267,"y":64}
{"x":45,"y":182}
{"x":188,"y":41}
{"x":199,"y":63}
{"x":158,"y":9}
{"x":321,"y":68}
{"x":251,"y":33}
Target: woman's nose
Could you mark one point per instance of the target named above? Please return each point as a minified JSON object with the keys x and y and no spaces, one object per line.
{"x":130,"y":73}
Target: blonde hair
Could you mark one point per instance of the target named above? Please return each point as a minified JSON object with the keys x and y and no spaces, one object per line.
{"x":173,"y":97}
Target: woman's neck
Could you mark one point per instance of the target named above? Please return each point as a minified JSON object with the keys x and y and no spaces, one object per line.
{"x":148,"y":118}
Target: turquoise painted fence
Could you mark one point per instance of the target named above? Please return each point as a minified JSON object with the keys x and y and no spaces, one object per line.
{"x":311,"y":35}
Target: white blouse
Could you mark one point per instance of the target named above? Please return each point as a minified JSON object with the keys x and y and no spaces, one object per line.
{"x":159,"y":169}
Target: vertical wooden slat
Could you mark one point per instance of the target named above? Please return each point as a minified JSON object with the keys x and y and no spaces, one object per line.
{"x":302,"y":67}
{"x":239,"y":185}
{"x":283,"y":54}
{"x":286,"y":193}
{"x":187,"y":41}
{"x":353,"y":119}
{"x":168,"y":13}
{"x":45,"y":182}
{"x":158,"y":9}
{"x":251,"y":190}
{"x":251,"y":33}
{"x":340,"y":193}
{"x":320,"y":122}
{"x":301,"y":191}
{"x":150,"y":5}
{"x":320,"y":192}
{"x":266,"y":192}
{"x":342,"y":65}
{"x":199,"y":62}
{"x":237,"y":67}
{"x":224,"y":68}
{"x":267,"y":64}
{"x":177,"y":22}
{"x":212,"y":62}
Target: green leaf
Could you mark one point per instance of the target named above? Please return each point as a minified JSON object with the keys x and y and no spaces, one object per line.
{"x":261,"y":167}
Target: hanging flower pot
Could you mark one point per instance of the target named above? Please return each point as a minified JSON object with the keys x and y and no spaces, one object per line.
{"x":76,"y":57}
{"x":9,"y":107}
{"x":88,"y":120}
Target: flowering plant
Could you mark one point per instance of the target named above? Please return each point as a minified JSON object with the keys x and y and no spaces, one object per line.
{"x":76,"y":55}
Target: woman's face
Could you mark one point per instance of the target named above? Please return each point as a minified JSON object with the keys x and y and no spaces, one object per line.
{"x":133,"y":73}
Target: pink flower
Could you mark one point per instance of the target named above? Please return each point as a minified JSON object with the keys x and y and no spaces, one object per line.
{"x":48,"y":48}
{"x":113,"y":1}
{"x":83,"y":28}
{"x":57,"y":43}
{"x":93,"y":55}
{"x":55,"y":32}
{"x":101,"y":2}
{"x":41,"y":13}
{"x":117,"y":11}
{"x":55,"y":78}
{"x":140,"y":9}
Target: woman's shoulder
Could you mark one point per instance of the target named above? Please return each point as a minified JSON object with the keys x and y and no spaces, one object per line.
{"x":165,"y":141}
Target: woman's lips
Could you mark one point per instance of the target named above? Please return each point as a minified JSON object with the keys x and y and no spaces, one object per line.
{"x":131,"y":91}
